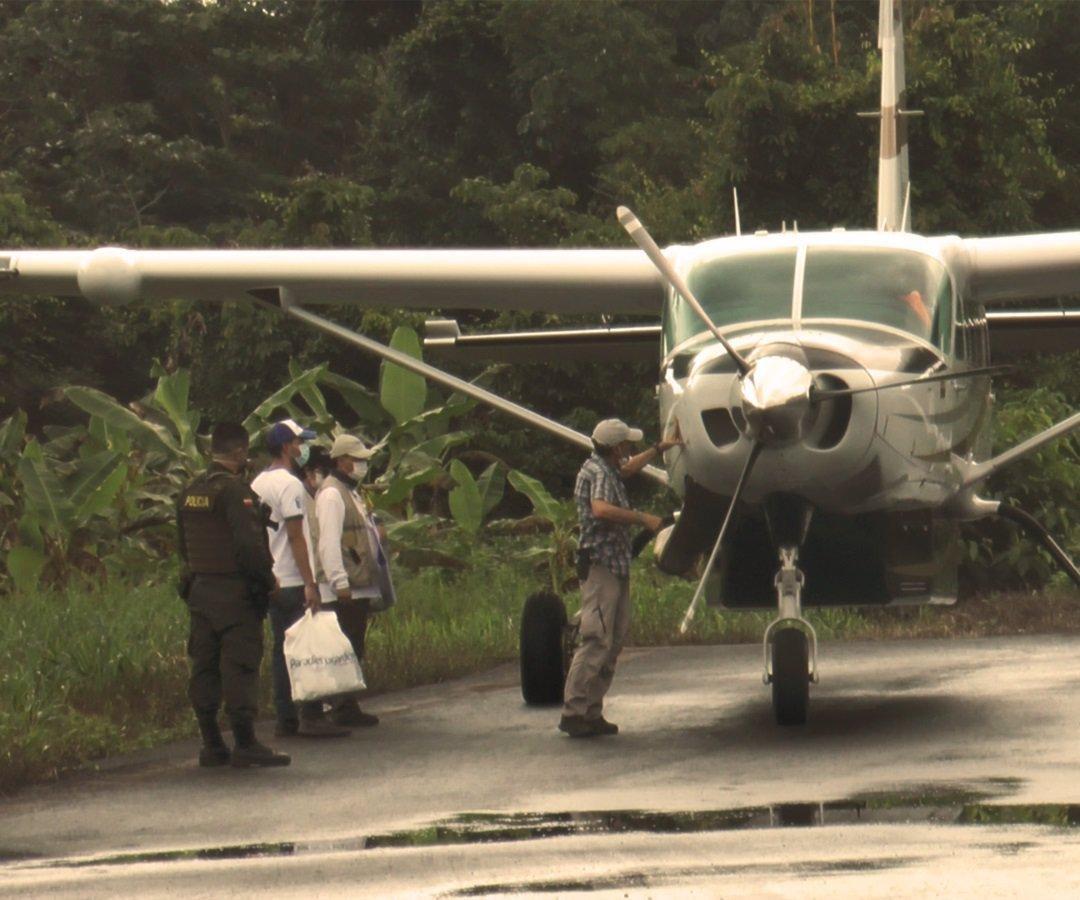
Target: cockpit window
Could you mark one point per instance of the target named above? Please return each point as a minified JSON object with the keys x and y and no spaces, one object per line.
{"x":749,"y":287}
{"x":900,"y":288}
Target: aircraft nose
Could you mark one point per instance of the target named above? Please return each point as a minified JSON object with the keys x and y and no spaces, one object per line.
{"x":775,"y":398}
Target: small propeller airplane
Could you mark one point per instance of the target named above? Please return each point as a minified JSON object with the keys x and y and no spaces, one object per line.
{"x":832,"y":389}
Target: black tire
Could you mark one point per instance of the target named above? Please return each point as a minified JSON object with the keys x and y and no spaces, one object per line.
{"x":791,"y":677}
{"x":543,"y":662}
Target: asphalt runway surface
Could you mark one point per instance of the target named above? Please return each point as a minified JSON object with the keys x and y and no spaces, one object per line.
{"x":928,"y":768}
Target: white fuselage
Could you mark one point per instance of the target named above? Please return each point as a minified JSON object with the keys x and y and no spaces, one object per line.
{"x":889,"y":449}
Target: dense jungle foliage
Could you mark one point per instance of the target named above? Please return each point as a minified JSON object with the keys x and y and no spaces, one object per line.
{"x":250,"y":123}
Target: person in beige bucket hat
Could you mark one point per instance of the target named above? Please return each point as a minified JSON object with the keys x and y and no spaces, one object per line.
{"x":347,"y":557}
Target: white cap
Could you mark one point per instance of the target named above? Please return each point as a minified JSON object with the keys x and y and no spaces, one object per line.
{"x":614,"y":431}
{"x":348,"y":445}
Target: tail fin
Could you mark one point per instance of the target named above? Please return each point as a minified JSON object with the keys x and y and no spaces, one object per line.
{"x":892,"y":214}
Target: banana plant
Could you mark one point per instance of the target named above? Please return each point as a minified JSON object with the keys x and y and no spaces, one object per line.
{"x":84,"y":485}
{"x":407,"y":425}
{"x":66,"y":499}
{"x":61,"y":499}
{"x":561,"y":520}
{"x":474,"y":498}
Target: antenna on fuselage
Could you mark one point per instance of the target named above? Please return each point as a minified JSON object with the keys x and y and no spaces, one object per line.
{"x":738,"y":224}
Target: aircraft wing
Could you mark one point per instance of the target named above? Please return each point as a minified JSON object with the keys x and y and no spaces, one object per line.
{"x":558,"y":281}
{"x":1031,"y":266}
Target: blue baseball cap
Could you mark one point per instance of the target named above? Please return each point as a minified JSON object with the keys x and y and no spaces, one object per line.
{"x":285,"y":431}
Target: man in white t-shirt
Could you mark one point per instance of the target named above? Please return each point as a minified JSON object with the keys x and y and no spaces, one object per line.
{"x":283,"y":493}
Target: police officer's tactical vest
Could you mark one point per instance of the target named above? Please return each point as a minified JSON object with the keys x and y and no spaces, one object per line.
{"x":208,"y":540}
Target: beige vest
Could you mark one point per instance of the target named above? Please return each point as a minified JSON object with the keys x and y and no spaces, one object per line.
{"x":360,"y":564}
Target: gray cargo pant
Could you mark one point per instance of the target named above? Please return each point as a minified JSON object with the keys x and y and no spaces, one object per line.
{"x":605,"y":624}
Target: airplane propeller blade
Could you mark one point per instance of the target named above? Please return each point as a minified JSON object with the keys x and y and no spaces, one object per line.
{"x":755,"y":449}
{"x":818,"y":395}
{"x":644,"y":240}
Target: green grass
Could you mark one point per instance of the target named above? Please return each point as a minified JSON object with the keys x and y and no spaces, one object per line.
{"x":87,"y":673}
{"x":94,"y":672}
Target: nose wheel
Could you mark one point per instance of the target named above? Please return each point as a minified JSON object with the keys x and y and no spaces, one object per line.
{"x":790,"y":646}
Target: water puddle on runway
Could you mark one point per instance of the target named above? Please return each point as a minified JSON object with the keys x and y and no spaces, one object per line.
{"x":929,"y":805}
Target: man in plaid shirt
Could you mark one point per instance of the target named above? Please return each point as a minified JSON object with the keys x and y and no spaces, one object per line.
{"x":606,"y":517}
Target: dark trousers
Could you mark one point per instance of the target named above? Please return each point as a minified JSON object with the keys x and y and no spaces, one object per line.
{"x":286,"y":609}
{"x":225,"y":644}
{"x":352,"y":616}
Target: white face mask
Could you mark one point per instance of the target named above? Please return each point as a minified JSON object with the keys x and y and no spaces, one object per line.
{"x":319,"y":479}
{"x":359,"y":470}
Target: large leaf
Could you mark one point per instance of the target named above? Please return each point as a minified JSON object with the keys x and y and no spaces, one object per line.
{"x":363,"y":402}
{"x":413,"y":461}
{"x":101,"y":436}
{"x":492,"y":485}
{"x":281,"y":398}
{"x":96,"y":501}
{"x":401,"y":392}
{"x":408,"y":530}
{"x":545,"y":505}
{"x":30,"y":532}
{"x":400,"y":488}
{"x":44,"y":496}
{"x":171,"y":395}
{"x":434,"y":421}
{"x":12,"y":432}
{"x":466,"y":504}
{"x":89,"y":476}
{"x":64,"y":442}
{"x":437,"y":446}
{"x":24,"y":564}
{"x":120,"y":417}
{"x":313,"y":397}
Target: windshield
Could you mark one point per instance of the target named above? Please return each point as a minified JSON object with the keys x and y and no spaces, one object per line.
{"x":899,"y":288}
{"x":748,"y":287}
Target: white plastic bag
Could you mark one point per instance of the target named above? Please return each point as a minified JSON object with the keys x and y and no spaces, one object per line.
{"x":320,"y":659}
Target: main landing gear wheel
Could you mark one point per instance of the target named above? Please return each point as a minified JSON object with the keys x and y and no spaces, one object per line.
{"x":544,"y":661}
{"x":790,"y":676}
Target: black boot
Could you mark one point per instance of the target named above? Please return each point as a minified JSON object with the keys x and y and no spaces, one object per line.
{"x":249,"y":752}
{"x":214,"y":751}
{"x":349,"y":713}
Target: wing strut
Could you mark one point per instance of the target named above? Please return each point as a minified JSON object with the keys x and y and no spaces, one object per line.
{"x":438,"y":376}
{"x":976,"y":472}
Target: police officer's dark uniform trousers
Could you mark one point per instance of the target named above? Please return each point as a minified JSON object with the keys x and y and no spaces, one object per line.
{"x":227,"y":584}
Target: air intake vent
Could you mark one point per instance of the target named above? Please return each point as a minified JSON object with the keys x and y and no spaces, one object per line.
{"x":719,"y":426}
{"x":833,"y":416}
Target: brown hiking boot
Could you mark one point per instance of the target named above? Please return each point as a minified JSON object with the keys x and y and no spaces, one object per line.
{"x":602,"y":726}
{"x":577,"y":726}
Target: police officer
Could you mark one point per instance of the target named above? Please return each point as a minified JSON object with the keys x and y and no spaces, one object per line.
{"x":227,"y":580}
